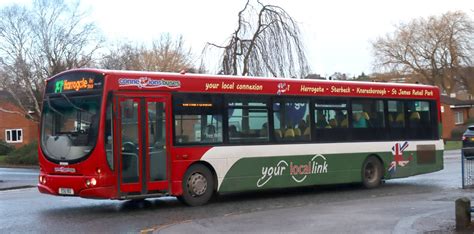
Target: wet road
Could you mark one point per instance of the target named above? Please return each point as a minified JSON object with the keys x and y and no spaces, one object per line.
{"x":26,"y":210}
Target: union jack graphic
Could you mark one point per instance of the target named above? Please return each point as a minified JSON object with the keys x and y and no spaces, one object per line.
{"x":398,"y":160}
{"x":282,"y":88}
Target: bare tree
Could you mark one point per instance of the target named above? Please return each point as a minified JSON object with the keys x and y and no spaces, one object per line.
{"x":15,"y":69}
{"x":339,"y":76}
{"x":39,"y":42}
{"x":122,"y":57}
{"x":435,"y":48}
{"x":269,"y":45}
{"x":466,"y":77}
{"x":166,"y":54}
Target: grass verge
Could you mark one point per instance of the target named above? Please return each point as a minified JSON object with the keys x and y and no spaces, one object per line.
{"x":453,"y":145}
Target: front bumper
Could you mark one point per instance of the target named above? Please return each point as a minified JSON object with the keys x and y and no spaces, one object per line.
{"x":78,"y":185}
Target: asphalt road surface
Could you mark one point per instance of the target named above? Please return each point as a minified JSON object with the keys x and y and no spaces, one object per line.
{"x":415,"y":204}
{"x":17,"y":177}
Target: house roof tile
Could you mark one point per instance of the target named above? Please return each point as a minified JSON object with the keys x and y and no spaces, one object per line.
{"x":456,"y":102}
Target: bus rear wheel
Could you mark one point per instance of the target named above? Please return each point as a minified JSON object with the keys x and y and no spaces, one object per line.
{"x":372,"y":172}
{"x":198,"y":185}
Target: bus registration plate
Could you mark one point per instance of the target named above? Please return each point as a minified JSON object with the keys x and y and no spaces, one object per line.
{"x":66,"y":191}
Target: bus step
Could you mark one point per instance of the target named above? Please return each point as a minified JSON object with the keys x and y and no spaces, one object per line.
{"x":142,"y":196}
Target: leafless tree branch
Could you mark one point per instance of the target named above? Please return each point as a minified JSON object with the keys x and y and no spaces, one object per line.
{"x":267,"y":41}
{"x":438,"y":48}
{"x":40,"y":41}
{"x":165,"y":54}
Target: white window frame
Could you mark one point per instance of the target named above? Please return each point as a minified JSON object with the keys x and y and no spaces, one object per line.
{"x":8,"y":135}
{"x":458,"y":117}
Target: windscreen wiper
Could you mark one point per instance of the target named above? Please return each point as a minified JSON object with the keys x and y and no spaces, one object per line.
{"x":51,"y":106}
{"x":74,"y":105}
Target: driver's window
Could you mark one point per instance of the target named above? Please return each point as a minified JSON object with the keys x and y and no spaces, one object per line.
{"x":129,"y":136}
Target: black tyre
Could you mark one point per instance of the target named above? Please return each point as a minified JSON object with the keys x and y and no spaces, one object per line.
{"x":198,"y":185}
{"x":372,"y":172}
{"x":180,"y":198}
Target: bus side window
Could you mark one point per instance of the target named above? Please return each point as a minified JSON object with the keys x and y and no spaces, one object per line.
{"x":396,"y":113}
{"x":247,"y":119}
{"x":330,"y":114}
{"x":322,"y":119}
{"x":368,"y":113}
{"x":419,"y":120}
{"x":291,"y":120}
{"x":197,"y":119}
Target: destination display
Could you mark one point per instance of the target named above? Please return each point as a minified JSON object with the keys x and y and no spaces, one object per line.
{"x":348,"y":90}
{"x":75,"y":82}
{"x":323,"y":89}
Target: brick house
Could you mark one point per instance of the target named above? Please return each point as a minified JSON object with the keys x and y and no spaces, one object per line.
{"x":455,"y":113}
{"x":15,"y":129}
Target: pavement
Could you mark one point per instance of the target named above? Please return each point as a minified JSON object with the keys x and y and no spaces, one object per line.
{"x":8,"y":185}
{"x":18,"y":177}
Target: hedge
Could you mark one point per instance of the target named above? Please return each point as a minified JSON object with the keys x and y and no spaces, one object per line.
{"x":25,"y":155}
{"x":5,"y":148}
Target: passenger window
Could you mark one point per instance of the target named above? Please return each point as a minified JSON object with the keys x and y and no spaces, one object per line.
{"x":248,"y":120}
{"x":331,"y":120}
{"x":419,"y":113}
{"x":368,"y":114}
{"x":421,"y":120}
{"x":396,"y":114}
{"x":330,"y":114}
{"x":291,"y":120}
{"x":198,"y":119}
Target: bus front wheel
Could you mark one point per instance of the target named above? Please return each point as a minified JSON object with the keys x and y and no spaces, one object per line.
{"x":372,"y":172}
{"x":198,"y":185}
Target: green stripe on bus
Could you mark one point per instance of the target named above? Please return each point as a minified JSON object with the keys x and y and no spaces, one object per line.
{"x":304,"y":170}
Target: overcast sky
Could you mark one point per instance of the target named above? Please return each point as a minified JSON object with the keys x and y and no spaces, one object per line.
{"x":336,"y":33}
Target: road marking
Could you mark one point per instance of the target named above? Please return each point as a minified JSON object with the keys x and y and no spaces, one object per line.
{"x":162,"y":226}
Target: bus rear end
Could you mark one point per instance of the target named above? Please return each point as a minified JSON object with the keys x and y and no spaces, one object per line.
{"x":70,"y":151}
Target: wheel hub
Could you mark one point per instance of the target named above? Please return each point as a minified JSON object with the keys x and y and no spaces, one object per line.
{"x":197,"y":184}
{"x":370,"y":172}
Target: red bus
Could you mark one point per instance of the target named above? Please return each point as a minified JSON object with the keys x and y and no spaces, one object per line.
{"x":135,"y":135}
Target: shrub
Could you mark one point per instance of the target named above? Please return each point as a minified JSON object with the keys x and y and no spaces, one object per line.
{"x":456,"y":133}
{"x":469,"y":122}
{"x":5,"y":148}
{"x":25,"y":155}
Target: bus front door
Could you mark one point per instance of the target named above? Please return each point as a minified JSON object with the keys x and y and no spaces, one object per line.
{"x":141,"y":137}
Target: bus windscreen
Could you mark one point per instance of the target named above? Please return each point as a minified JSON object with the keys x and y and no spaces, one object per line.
{"x":71,"y":111}
{"x":69,"y":126}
